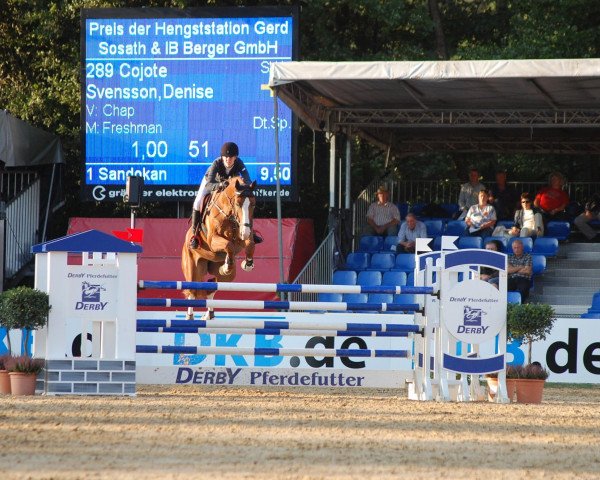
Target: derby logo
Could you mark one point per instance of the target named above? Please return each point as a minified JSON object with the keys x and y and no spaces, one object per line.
{"x":472,"y":321}
{"x":90,"y":297}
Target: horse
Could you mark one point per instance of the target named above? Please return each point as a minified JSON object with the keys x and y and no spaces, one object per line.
{"x":228,"y":231}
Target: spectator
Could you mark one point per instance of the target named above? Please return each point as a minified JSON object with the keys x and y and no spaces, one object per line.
{"x":591,"y":212}
{"x":383,"y":216}
{"x":481,"y":217}
{"x":487,"y":273}
{"x":503,"y":197}
{"x":528,"y":222}
{"x":410,"y":230}
{"x":519,"y":270}
{"x":553,"y":200}
{"x":469,"y":193}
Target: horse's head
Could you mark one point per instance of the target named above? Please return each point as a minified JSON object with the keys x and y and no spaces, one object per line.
{"x":244,"y":202}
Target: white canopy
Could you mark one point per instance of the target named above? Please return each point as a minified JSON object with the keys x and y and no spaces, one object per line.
{"x":486,"y":105}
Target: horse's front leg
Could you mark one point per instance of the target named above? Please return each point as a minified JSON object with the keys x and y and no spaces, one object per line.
{"x":221,"y":244}
{"x":210,"y":313}
{"x":248,"y":262}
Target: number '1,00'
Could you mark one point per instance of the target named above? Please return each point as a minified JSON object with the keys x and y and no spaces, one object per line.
{"x":153,"y":149}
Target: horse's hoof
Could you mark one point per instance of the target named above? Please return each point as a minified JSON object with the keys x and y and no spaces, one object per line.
{"x":247,"y":265}
{"x":189,"y":317}
{"x":208,"y":316}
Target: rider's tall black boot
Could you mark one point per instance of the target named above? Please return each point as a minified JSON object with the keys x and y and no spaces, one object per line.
{"x":195,"y":224}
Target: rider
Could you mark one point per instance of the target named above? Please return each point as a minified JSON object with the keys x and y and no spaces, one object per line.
{"x":226,"y":166}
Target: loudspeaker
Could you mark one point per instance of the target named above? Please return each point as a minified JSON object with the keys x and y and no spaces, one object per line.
{"x":134,"y":190}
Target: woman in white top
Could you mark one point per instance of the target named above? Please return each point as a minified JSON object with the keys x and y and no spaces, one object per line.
{"x":528,"y":222}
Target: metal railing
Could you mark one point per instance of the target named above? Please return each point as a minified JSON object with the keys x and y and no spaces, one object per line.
{"x":319,"y":269}
{"x":13,"y":182}
{"x":22,"y":223}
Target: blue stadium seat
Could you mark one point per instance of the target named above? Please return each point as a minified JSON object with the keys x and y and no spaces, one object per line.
{"x":389,"y":242}
{"x":405,"y":262}
{"x":558,"y":229}
{"x":451,"y":208}
{"x":410,"y":279}
{"x":381,"y":298}
{"x":403,"y":207}
{"x":547,"y":246}
{"x":437,"y":243}
{"x":502,"y":240}
{"x":382,"y":261}
{"x":514,"y":297}
{"x":456,"y":228}
{"x":538,"y":264}
{"x":344,"y":277}
{"x":369,"y":278}
{"x":370,"y":243}
{"x":505,"y":223}
{"x":470,"y":242}
{"x":329,"y":297}
{"x":404,"y":298}
{"x":417,"y":208}
{"x":357,"y":261}
{"x":394,"y":278}
{"x":355,"y":298}
{"x":434,"y":227}
{"x":527,"y":244}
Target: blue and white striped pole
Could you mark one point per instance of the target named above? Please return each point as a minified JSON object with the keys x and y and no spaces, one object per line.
{"x":278,"y":305}
{"x":310,"y":324}
{"x":273,"y":332}
{"x":282,"y":287}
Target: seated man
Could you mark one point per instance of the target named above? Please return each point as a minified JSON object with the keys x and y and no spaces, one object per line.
{"x":591,"y":212}
{"x":520,"y":268}
{"x":481,"y":217}
{"x":383,"y":216}
{"x":503,"y":197}
{"x":410,"y":230}
{"x":469,"y":193}
{"x":553,"y":200}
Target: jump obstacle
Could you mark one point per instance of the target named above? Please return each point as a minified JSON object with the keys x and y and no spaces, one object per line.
{"x":455,"y":320}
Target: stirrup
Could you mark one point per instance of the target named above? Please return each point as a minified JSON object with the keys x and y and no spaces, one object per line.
{"x":257,"y":239}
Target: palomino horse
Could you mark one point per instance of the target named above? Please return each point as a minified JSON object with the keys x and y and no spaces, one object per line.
{"x":228,"y":231}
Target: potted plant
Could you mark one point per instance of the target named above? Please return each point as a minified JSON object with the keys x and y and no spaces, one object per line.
{"x":24,"y":308}
{"x":4,"y":378}
{"x":23,"y":371}
{"x":530,"y":322}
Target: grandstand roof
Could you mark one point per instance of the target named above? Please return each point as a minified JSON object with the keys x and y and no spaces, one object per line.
{"x":546,"y":106}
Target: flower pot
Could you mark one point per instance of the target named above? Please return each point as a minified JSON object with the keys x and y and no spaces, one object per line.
{"x":22,"y":383}
{"x":530,"y":390}
{"x":4,"y":382}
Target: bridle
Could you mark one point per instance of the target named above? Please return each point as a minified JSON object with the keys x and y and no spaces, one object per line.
{"x":234,"y":208}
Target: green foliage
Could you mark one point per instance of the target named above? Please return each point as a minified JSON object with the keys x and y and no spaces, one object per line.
{"x":40,"y":77}
{"x":25,"y":364}
{"x":24,"y":307}
{"x":529,"y":321}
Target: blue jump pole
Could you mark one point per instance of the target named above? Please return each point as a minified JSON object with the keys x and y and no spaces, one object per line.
{"x":313,"y":324}
{"x":282,"y":287}
{"x":278,"y":305}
